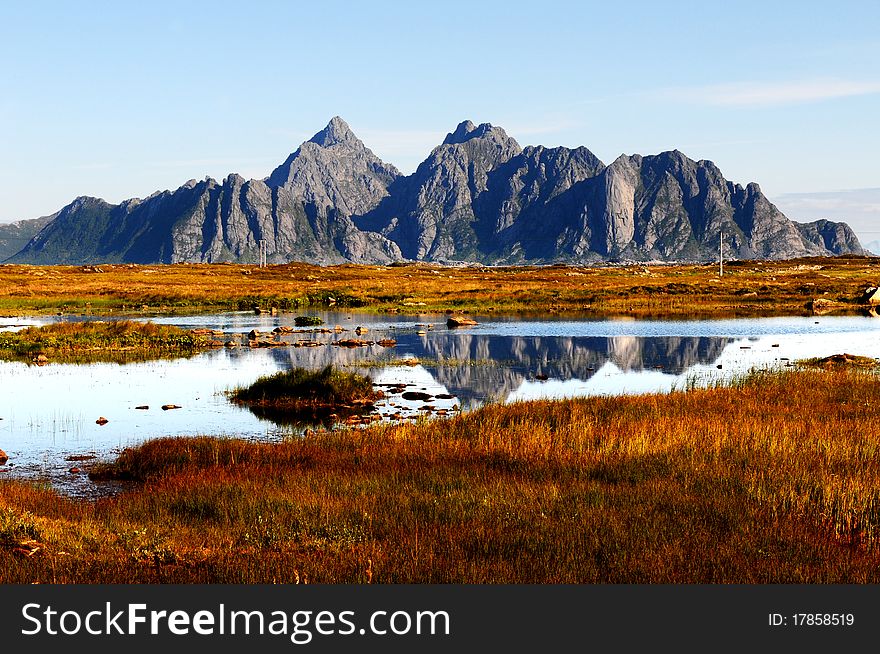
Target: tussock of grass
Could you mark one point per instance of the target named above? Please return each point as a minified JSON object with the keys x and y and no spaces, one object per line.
{"x":96,"y":339}
{"x":325,"y":386}
{"x":774,"y":480}
{"x":307,"y":396}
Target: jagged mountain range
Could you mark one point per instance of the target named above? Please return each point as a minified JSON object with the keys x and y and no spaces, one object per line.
{"x":478,"y":197}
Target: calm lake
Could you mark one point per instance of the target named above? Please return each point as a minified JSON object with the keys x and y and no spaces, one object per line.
{"x":48,"y":413}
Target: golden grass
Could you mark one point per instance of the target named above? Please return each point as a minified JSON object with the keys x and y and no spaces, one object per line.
{"x":775,"y":478}
{"x":747,"y":288}
{"x":99,"y":340}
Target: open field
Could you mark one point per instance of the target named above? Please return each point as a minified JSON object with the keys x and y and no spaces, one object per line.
{"x":775,"y":478}
{"x":748,"y":288}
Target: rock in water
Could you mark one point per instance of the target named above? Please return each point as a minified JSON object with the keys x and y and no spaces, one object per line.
{"x":3,"y":458}
{"x":871,"y":295}
{"x":417,"y":395}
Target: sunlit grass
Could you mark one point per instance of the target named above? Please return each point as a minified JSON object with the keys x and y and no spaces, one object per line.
{"x":300,"y":395}
{"x":325,"y":386}
{"x":98,"y":340}
{"x":747,"y":288}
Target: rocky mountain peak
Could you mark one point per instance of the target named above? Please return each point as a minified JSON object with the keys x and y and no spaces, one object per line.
{"x":461,"y":133}
{"x":466,"y":131}
{"x":335,"y":171}
{"x":336,"y":132}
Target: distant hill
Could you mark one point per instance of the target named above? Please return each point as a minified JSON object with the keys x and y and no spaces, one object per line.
{"x":478,"y":197}
{"x":14,"y":236}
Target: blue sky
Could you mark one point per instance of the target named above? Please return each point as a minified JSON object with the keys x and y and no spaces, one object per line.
{"x":118,"y":100}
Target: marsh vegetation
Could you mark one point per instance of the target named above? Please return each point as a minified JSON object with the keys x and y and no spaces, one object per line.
{"x":299,"y":395}
{"x":98,"y":341}
{"x":772,"y":478}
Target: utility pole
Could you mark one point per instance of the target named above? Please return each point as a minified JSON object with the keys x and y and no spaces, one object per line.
{"x":721,"y":256}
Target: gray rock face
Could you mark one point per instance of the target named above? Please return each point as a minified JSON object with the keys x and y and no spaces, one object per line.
{"x":301,"y":212}
{"x":836,"y":237}
{"x":477,"y":197}
{"x":430,"y":214}
{"x":334,"y":171}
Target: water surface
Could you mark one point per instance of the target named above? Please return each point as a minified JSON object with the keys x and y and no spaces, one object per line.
{"x":49,"y":412}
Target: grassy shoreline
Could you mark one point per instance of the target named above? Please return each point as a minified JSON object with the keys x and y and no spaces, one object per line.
{"x":91,"y":341}
{"x":775,"y":478}
{"x":748,"y":288}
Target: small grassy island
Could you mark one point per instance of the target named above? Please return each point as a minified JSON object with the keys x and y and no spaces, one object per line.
{"x":116,"y":340}
{"x":302,"y":396}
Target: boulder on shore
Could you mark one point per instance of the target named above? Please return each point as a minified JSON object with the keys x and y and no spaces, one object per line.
{"x":822,"y":305}
{"x":846,"y":359}
{"x":871,"y":295}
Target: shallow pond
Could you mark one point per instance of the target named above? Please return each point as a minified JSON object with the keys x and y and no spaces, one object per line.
{"x":48,"y":413}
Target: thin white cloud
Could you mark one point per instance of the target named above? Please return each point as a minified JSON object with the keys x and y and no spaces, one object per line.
{"x":770,"y":94}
